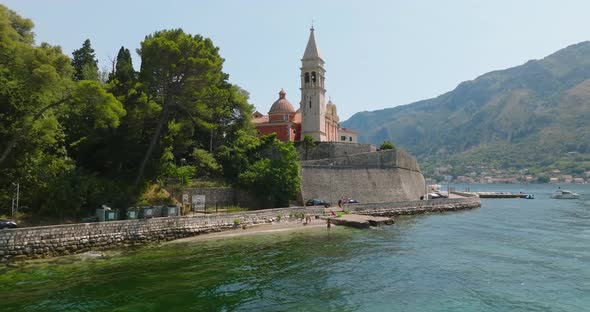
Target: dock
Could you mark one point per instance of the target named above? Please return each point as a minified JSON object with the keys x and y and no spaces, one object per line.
{"x":360,"y":221}
{"x":492,"y":194}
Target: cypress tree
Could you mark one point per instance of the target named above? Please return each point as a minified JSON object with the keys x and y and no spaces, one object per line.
{"x":124,"y":71}
{"x":84,"y":63}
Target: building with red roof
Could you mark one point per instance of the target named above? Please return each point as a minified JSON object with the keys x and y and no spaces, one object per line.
{"x":314,"y":117}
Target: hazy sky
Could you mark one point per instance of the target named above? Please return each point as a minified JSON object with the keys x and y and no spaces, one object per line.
{"x":378,"y":54}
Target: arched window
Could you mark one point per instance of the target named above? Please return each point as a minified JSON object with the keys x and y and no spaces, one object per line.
{"x":306,"y":79}
{"x":309,"y":103}
{"x":313,"y":77}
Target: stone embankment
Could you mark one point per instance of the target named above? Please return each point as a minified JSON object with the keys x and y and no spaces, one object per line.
{"x":49,"y":241}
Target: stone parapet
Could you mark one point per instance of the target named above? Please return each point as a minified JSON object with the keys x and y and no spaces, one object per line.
{"x":382,"y":159}
{"x":333,"y":149}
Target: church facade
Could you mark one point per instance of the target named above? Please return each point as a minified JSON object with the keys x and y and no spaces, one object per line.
{"x":314,"y":117}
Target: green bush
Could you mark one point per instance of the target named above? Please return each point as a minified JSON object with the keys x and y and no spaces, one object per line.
{"x":386,"y":145}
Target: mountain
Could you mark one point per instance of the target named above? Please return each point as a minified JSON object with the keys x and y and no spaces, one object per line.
{"x":526,"y":116}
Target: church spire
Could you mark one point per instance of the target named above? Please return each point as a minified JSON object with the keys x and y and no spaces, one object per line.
{"x":311,"y":51}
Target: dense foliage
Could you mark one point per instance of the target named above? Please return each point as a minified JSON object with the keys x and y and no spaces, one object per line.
{"x":74,"y":143}
{"x":386,"y":145}
{"x":533,"y":116}
{"x":266,"y":166}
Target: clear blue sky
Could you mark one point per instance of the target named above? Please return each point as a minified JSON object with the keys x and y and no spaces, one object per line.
{"x":378,"y":54}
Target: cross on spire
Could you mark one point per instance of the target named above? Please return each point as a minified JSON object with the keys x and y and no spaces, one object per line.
{"x":311,"y":51}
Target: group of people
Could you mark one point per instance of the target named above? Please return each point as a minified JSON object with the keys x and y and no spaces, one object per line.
{"x":308,"y":220}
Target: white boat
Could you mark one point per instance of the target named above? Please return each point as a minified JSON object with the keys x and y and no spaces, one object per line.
{"x":563,"y":194}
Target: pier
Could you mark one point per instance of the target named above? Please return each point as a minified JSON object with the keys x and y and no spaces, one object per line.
{"x":360,"y":221}
{"x":491,"y":194}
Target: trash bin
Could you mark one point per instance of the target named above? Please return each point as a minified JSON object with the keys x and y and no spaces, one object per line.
{"x":171,"y":211}
{"x":146,"y":212}
{"x":132,"y":213}
{"x":107,"y":214}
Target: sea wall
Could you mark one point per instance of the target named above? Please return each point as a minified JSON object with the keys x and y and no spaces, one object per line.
{"x":377,"y":177}
{"x":48,"y":241}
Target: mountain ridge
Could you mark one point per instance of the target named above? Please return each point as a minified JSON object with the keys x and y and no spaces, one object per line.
{"x":543,"y":102}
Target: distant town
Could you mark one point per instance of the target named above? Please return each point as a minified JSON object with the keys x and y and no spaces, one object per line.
{"x":488,"y":175}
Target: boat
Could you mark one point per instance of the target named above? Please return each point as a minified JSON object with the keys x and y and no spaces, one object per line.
{"x":564,"y":194}
{"x":529,"y":196}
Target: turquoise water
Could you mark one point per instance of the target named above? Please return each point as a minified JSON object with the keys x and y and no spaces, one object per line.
{"x":509,"y":255}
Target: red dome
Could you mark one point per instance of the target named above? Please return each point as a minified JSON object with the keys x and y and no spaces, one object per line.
{"x":282,"y":105}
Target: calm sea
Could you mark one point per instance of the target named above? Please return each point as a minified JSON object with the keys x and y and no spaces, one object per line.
{"x":508,"y":255}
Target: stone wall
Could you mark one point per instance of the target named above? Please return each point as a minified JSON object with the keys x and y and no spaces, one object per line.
{"x":334,"y":149}
{"x":47,"y":241}
{"x":222,"y":197}
{"x":384,"y":176}
{"x":214,"y":196}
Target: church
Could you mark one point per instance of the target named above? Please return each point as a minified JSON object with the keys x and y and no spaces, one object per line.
{"x":314,"y":117}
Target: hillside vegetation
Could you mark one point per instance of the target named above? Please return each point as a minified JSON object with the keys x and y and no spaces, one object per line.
{"x":536,"y":115}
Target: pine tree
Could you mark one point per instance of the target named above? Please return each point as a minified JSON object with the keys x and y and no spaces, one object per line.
{"x":84,"y":63}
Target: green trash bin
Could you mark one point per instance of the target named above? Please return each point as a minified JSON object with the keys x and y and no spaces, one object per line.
{"x":132,"y":214}
{"x":111,"y":215}
{"x":107,"y":214}
{"x":171,"y":211}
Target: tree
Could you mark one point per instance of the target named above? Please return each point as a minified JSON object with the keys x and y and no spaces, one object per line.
{"x":206,"y":164}
{"x":386,"y":145}
{"x":124,"y":72}
{"x":38,"y":104}
{"x":543,"y":179}
{"x":33,"y":81}
{"x":307,"y":144}
{"x":91,"y":109}
{"x":84,"y":63}
{"x":264,"y":166}
{"x":182,"y":73}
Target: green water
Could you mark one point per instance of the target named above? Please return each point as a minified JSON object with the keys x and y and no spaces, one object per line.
{"x":509,"y":255}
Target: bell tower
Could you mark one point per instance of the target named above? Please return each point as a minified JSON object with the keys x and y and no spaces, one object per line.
{"x":313,"y":107}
